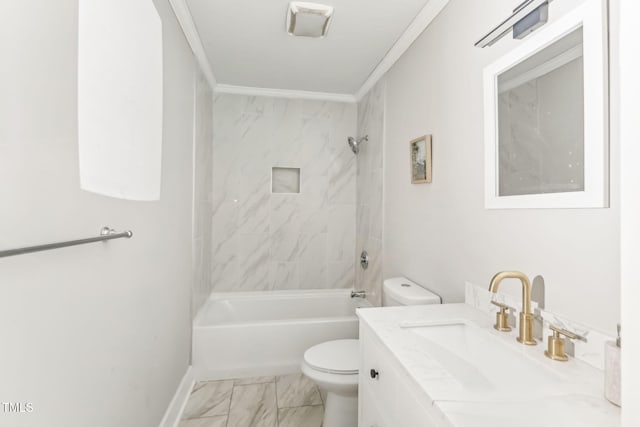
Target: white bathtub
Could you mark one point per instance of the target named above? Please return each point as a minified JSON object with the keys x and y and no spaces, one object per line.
{"x":266,"y":333}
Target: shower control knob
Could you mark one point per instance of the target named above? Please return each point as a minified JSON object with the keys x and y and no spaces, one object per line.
{"x":364,"y":260}
{"x":374,"y":374}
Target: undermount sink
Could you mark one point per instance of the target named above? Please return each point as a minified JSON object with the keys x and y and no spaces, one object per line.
{"x":479,"y":360}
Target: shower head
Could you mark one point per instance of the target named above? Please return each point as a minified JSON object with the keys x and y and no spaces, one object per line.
{"x":354,"y":143}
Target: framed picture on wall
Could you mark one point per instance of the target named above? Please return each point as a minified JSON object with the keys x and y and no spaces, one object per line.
{"x":420,"y":154}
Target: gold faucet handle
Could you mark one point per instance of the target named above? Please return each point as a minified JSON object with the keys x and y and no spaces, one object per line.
{"x":555,"y":346}
{"x":568,"y":334}
{"x":502,"y":317}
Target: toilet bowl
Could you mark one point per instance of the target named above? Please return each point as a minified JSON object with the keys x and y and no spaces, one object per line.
{"x":333,"y":365}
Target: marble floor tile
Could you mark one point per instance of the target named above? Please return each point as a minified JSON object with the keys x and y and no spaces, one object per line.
{"x":253,"y":406}
{"x":323,"y":396}
{"x":296,"y":390}
{"x":208,"y":399}
{"x":253,"y":380}
{"x":302,"y":416}
{"x":219,"y":421}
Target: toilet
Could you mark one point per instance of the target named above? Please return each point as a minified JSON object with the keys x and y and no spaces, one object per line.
{"x":333,"y":365}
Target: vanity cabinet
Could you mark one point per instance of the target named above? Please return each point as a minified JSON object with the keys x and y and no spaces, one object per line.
{"x":386,"y":395}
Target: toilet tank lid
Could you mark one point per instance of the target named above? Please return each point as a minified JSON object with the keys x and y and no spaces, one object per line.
{"x":407,"y":292}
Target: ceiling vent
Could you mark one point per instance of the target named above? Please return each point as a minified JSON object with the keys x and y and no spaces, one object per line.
{"x":308,"y":19}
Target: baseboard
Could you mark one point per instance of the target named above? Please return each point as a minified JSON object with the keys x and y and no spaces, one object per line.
{"x":204,"y":374}
{"x":174,"y":411}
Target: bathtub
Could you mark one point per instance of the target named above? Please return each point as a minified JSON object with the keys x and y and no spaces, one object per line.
{"x":248,"y":334}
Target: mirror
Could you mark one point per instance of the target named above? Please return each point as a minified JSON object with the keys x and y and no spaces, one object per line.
{"x":541,"y":121}
{"x":546,"y":138}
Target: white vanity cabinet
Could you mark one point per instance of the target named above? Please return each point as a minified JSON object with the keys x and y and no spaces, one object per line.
{"x":386,"y":396}
{"x":444,"y":365}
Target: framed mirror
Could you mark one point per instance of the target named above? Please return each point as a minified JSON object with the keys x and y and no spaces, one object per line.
{"x":546,"y":116}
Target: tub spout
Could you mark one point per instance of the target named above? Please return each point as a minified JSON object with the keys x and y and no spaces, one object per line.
{"x":358,"y":294}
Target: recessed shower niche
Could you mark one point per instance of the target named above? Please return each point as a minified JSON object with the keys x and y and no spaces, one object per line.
{"x":285,"y":180}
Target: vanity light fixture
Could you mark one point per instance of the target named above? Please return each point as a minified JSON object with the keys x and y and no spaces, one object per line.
{"x":526,"y":18}
{"x":308,"y":19}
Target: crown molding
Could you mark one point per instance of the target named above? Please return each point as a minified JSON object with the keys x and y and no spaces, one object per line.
{"x":182,"y":12}
{"x":284,"y":93}
{"x":417,"y":26}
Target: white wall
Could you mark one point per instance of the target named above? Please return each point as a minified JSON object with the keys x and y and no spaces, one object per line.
{"x":628,"y":68}
{"x":94,"y":335}
{"x":264,"y":241}
{"x":439,"y":234}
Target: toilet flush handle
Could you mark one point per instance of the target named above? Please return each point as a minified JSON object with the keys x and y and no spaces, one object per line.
{"x":374,"y":374}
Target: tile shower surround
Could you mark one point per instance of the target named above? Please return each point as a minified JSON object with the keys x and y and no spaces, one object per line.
{"x":369,"y":192}
{"x":202,"y":182}
{"x":263,"y":240}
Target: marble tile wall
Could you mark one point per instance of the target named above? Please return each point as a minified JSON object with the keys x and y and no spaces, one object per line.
{"x":263,"y":240}
{"x":202,"y":185}
{"x":369,"y":192}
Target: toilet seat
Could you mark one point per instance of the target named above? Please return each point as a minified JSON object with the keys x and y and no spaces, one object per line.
{"x":339,"y":357}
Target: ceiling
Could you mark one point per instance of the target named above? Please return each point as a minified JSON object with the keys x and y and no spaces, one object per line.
{"x":246,"y":44}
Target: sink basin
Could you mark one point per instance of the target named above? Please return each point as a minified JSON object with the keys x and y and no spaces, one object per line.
{"x":479,"y":360}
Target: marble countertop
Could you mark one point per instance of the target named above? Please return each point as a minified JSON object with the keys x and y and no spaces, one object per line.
{"x":576,"y":400}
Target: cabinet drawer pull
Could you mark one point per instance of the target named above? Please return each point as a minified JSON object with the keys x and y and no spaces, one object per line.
{"x":374,"y":374}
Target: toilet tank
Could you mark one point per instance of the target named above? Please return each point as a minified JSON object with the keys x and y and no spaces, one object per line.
{"x":402,"y":291}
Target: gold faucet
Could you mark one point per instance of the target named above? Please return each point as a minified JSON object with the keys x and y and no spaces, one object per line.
{"x":526,"y":317}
